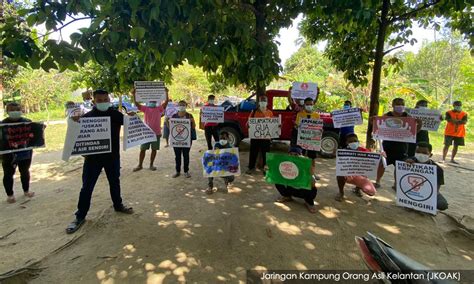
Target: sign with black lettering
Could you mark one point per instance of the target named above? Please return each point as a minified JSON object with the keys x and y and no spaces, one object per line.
{"x":135,"y":132}
{"x":357,"y":163}
{"x":346,"y":117}
{"x":431,"y":118}
{"x":150,"y":91}
{"x":264,"y":127}
{"x":180,"y":132}
{"x":310,"y":132}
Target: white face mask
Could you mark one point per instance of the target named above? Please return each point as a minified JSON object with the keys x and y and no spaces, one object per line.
{"x":263,"y":105}
{"x":211,"y":102}
{"x":308,"y":108}
{"x":353,"y":145}
{"x":182,"y":108}
{"x":223,"y":142}
{"x":422,"y":158}
{"x":15,"y":114}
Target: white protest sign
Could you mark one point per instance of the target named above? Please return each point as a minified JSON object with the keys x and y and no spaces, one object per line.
{"x":303,"y":90}
{"x":346,"y":117}
{"x":89,"y":136}
{"x":180,"y":132}
{"x":264,"y":127}
{"x":310,"y":132}
{"x":431,"y":118}
{"x":150,"y":91}
{"x":76,"y":109}
{"x":212,"y":114}
{"x":357,"y":163}
{"x":135,"y":132}
{"x":417,"y":186}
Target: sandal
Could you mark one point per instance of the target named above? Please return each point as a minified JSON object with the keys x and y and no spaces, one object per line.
{"x":124,"y":209}
{"x":311,"y":208}
{"x":284,"y":199}
{"x":339,"y":198}
{"x":74,"y":226}
{"x":210,"y":190}
{"x":357,"y":192}
{"x":11,"y":199}
{"x":377,"y":185}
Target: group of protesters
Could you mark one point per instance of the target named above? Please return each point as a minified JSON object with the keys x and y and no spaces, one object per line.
{"x":100,"y":103}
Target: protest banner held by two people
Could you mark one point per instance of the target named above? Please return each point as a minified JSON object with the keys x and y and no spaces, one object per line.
{"x":303,"y":90}
{"x":21,"y":136}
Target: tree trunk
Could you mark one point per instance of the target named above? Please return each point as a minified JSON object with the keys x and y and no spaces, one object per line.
{"x":377,"y":72}
{"x":1,"y":78}
{"x":261,"y":37}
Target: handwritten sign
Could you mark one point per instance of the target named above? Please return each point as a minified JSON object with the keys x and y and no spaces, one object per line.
{"x":89,"y":136}
{"x":212,"y":114}
{"x":135,"y":132}
{"x":346,"y":117}
{"x":431,"y":118}
{"x":303,"y":90}
{"x":289,"y":170}
{"x":21,"y":136}
{"x":400,"y":129}
{"x":417,"y":186}
{"x":180,"y":132}
{"x":357,"y":163}
{"x":264,"y":128}
{"x":150,"y":91}
{"x":171,"y":109}
{"x":310,"y":132}
{"x":221,"y":163}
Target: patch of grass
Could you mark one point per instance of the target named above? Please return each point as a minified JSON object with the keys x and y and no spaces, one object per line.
{"x":55,"y":134}
{"x":54,"y":114}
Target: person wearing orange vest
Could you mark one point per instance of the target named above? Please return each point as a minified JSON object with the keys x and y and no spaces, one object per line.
{"x":455,"y":130}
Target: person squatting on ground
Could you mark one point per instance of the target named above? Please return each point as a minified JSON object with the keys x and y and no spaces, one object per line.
{"x":455,"y":130}
{"x":153,"y":114}
{"x":183,"y":151}
{"x":223,"y":143}
{"x":20,"y":160}
{"x":210,"y":128}
{"x":93,"y":164}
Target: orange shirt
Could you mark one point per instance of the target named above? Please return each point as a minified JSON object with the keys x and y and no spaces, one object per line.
{"x":455,"y":130}
{"x":259,"y":113}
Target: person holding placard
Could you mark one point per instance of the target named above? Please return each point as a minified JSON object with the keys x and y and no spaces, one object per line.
{"x":153,"y":114}
{"x":170,"y":110}
{"x":93,"y":164}
{"x":361,"y":183}
{"x":210,"y":128}
{"x":20,"y":160}
{"x":287,"y":192}
{"x":183,"y":151}
{"x":346,"y":129}
{"x":455,"y":130}
{"x":223,"y":143}
{"x":423,"y":154}
{"x":261,"y":146}
{"x":296,"y":105}
{"x":307,"y":112}
{"x":422,"y":135}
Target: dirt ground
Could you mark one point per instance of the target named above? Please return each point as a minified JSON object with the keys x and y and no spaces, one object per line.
{"x":179,"y":233}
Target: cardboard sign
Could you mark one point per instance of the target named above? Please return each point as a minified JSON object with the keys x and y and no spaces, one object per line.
{"x":212,"y":114}
{"x":135,"y":132}
{"x":431,"y":118}
{"x":302,"y":90}
{"x":346,"y":117}
{"x":289,"y":170}
{"x":21,"y":136}
{"x":221,"y":163}
{"x":310,"y":132}
{"x":150,"y":91}
{"x":357,"y":163}
{"x":417,"y":186}
{"x":180,"y":132}
{"x":400,"y":129}
{"x":264,"y":127}
{"x":89,"y":136}
{"x":78,"y":109}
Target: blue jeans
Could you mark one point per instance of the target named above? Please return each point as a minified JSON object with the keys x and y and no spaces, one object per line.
{"x":90,"y":173}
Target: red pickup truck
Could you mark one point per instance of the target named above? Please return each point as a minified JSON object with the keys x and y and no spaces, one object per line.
{"x":235,"y":122}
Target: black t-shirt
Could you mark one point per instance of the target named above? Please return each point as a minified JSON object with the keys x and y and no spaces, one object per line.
{"x":439,"y":170}
{"x":116,"y":121}
{"x":394,"y":148}
{"x":422,"y":136}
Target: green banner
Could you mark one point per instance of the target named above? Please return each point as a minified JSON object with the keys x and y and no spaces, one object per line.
{"x":289,"y":170}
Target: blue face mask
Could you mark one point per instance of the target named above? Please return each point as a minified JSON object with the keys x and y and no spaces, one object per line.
{"x":346,"y":107}
{"x":102,"y":106}
{"x":15,"y":114}
{"x":151,"y":105}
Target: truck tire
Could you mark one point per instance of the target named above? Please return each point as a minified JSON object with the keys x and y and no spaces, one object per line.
{"x":234,"y":135}
{"x":329,"y":144}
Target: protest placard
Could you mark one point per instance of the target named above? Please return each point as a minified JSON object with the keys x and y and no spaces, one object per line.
{"x":303,"y":90}
{"x":264,"y":127}
{"x":356,"y":163}
{"x":21,"y":136}
{"x":346,"y":117}
{"x":150,"y":91}
{"x":289,"y":170}
{"x":180,"y":132}
{"x":212,"y":114}
{"x":310,"y":132}
{"x":89,"y":136}
{"x":400,"y":129}
{"x":221,"y":163}
{"x":417,"y":186}
{"x":135,"y":132}
{"x":76,"y":109}
{"x":171,"y":109}
{"x":431,"y":118}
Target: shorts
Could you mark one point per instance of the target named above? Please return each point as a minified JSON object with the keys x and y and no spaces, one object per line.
{"x":154,"y":145}
{"x":458,"y":141}
{"x":166,"y":132}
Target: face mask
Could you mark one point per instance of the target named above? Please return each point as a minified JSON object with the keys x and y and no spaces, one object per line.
{"x":301,"y":103}
{"x":422,"y":107}
{"x":346,"y":107}
{"x":458,"y":108}
{"x":353,"y":145}
{"x":223,"y":142}
{"x":211,"y":102}
{"x":102,"y":106}
{"x":151,"y":104}
{"x":422,"y":158}
{"x":399,"y":109}
{"x":15,"y":114}
{"x":263,"y":105}
{"x":182,"y":108}
{"x":308,"y":108}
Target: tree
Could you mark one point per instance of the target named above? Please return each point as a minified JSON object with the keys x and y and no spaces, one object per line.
{"x":361,"y":33}
{"x":190,"y":84}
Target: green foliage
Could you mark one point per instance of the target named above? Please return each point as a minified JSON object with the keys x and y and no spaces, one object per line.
{"x":190,"y":84}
